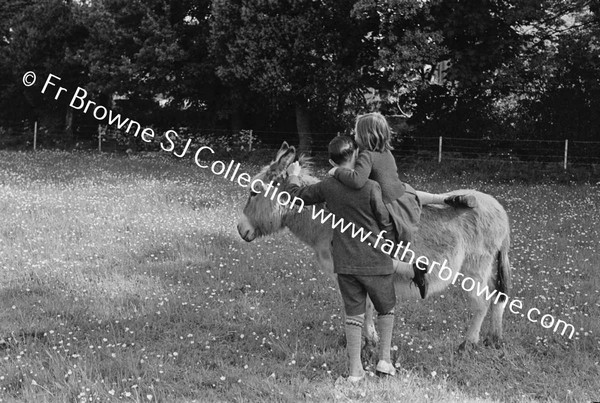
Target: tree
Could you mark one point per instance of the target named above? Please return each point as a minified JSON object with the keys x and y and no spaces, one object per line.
{"x":153,"y":51}
{"x":306,"y":54}
{"x":564,"y":69}
{"x":131,"y":51}
{"x":473,"y":40}
{"x":43,"y":37}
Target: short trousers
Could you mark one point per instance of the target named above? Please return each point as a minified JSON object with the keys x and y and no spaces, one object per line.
{"x":355,"y":288}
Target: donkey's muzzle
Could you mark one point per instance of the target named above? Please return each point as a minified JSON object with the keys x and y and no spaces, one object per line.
{"x":247,"y":235}
{"x":245,"y":230}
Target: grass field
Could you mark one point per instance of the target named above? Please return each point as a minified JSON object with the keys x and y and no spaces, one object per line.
{"x":124,"y":279}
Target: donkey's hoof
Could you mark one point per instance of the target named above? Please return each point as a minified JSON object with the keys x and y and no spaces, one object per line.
{"x":493,"y":341}
{"x":466,"y":346}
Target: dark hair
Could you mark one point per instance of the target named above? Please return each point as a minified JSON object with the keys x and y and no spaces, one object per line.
{"x":341,"y":149}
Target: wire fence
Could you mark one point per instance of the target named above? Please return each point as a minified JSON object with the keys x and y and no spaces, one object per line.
{"x":565,"y":152}
{"x":442,"y":148}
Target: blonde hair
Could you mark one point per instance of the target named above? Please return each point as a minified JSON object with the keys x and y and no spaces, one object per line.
{"x":373,"y":133}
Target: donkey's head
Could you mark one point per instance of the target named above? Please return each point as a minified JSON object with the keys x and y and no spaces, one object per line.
{"x":262,"y":214}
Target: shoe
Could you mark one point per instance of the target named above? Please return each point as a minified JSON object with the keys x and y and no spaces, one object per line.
{"x":461,"y":201}
{"x":419,"y":280}
{"x":385,"y":368}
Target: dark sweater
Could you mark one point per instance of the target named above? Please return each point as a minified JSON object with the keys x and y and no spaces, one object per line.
{"x":364,"y":208}
{"x":378,"y":166}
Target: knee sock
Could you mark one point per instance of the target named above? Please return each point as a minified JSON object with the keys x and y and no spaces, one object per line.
{"x":385,"y":322}
{"x":431,"y":198}
{"x":354,"y":326}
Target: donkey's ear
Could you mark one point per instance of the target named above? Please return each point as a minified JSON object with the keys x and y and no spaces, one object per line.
{"x":288,"y":157}
{"x":284,"y":147}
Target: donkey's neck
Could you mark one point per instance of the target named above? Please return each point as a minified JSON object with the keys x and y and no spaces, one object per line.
{"x":302,"y":224}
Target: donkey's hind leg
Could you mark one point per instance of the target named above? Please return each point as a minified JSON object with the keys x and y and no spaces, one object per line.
{"x":479,"y":304}
{"x":479,"y":308}
{"x":494,"y":338}
{"x":369,"y":333}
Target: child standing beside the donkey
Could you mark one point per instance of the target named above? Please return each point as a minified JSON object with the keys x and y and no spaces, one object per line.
{"x":361,"y":269}
{"x":376,"y":162}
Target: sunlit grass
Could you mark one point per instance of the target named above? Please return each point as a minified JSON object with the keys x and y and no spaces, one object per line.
{"x":124,"y":278}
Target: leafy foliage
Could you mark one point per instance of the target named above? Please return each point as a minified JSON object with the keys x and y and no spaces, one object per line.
{"x":493,"y":68}
{"x":40,"y":36}
{"x":565,"y":100}
{"x":302,"y":53}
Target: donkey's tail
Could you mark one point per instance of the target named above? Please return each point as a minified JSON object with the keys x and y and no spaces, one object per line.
{"x":503,"y":279}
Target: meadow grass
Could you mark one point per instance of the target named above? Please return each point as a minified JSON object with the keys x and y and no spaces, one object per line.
{"x":124,"y":279}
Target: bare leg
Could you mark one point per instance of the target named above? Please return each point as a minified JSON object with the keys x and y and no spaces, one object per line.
{"x":463,"y":200}
{"x":431,"y":198}
{"x":404,"y":269}
{"x":411,"y":271}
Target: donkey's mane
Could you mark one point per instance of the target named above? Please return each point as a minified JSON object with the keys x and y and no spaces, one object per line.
{"x":307,"y":165}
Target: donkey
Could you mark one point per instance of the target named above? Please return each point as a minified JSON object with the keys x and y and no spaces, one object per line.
{"x":474,"y":242}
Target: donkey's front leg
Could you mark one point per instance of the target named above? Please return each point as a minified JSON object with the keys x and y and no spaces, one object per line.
{"x":369,"y":330}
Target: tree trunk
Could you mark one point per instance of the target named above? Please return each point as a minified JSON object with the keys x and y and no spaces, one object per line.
{"x":69,"y":125}
{"x":303,"y":126}
{"x":236,"y":120}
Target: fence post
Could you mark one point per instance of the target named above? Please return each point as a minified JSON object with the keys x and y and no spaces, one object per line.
{"x":440,"y":151}
{"x":250,"y":142}
{"x":34,"y":135}
{"x":566,"y":149}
